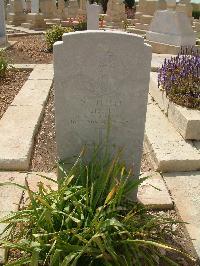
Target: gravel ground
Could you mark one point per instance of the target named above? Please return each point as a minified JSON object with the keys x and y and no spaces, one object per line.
{"x":28,"y":50}
{"x":44,"y":152}
{"x":10,"y":85}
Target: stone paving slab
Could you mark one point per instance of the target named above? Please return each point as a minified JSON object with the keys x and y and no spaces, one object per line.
{"x":153,"y":192}
{"x":158,"y":60}
{"x":168,"y":151}
{"x":42,"y":72}
{"x":28,"y":31}
{"x":34,"y":178}
{"x":33,"y":93}
{"x":20,"y":122}
{"x":23,"y":66}
{"x":186,"y":121}
{"x":185,"y":190}
{"x":10,"y":197}
{"x":18,"y":127}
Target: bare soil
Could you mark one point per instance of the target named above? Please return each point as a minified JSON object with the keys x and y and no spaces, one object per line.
{"x":29,"y":49}
{"x":44,"y":152}
{"x":10,"y":85}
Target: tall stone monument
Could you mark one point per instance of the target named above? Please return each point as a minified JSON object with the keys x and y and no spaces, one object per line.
{"x":73,"y":8}
{"x":115,"y":13}
{"x":82,"y":8}
{"x":2,"y":24}
{"x":62,"y":14}
{"x":185,"y":6}
{"x":145,"y":12}
{"x":35,"y":19}
{"x":17,"y":15}
{"x":47,"y":8}
{"x":97,"y":82}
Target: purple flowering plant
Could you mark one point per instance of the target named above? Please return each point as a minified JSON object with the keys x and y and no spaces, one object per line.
{"x":179,"y":76}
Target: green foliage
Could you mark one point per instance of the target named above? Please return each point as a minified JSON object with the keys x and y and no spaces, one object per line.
{"x":196,"y":14}
{"x":88,"y":219}
{"x":81,"y":26}
{"x":55,"y":34}
{"x":3,"y":65}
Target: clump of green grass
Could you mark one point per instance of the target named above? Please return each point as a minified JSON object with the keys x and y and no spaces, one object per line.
{"x":88,"y":220}
{"x":3,"y":65}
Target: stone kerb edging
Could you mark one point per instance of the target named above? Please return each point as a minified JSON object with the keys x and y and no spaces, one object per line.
{"x":167,"y":149}
{"x":20,"y":122}
{"x":186,"y":121}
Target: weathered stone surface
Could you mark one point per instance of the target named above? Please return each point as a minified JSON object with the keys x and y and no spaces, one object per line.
{"x":171,"y":27}
{"x":35,"y":177}
{"x":157,"y":61}
{"x":42,"y":72}
{"x":163,"y":48}
{"x":17,"y":129}
{"x":168,"y":151}
{"x":2,"y":20}
{"x":93,"y":12}
{"x":16,"y":16}
{"x":35,"y":6}
{"x":101,"y":88}
{"x":153,"y":192}
{"x":145,"y":11}
{"x":10,"y":197}
{"x":33,"y":92}
{"x":115,"y":12}
{"x":186,"y":121}
{"x":20,"y":122}
{"x":185,"y":191}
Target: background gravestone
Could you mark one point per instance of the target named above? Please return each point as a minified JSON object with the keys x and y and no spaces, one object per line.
{"x":93,"y":12}
{"x":2,"y":24}
{"x":171,"y":27}
{"x":97,"y":75}
{"x":35,"y":5}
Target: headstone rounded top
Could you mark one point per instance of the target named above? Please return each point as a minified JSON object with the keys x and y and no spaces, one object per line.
{"x":100,"y":33}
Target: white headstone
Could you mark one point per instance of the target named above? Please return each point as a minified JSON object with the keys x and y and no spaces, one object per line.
{"x":96,"y":81}
{"x":93,"y":12}
{"x":2,"y":23}
{"x":35,"y":6}
{"x":171,"y":27}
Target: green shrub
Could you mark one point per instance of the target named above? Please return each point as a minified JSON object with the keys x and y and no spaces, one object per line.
{"x":3,"y":65}
{"x":88,"y":220}
{"x":81,"y":26}
{"x":55,"y":34}
{"x":179,"y":76}
{"x":196,"y":14}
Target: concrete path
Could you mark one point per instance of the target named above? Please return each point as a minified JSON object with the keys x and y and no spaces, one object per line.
{"x":157,"y":60}
{"x":153,"y":192}
{"x":185,"y":190}
{"x":20,"y":122}
{"x":10,"y":197}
